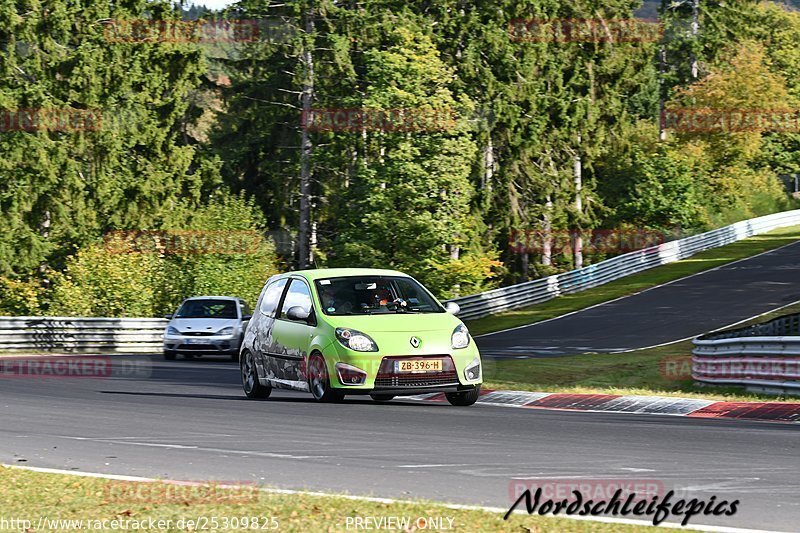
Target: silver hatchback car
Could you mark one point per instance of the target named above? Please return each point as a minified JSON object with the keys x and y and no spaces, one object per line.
{"x":206,"y":325}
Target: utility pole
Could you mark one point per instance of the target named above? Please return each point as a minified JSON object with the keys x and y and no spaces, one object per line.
{"x":695,"y":32}
{"x":695,"y":67}
{"x":577,"y":239}
{"x":306,"y":147}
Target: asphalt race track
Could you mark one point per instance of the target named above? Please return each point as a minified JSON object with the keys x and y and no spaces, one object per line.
{"x":685,"y":308}
{"x":189,"y":420}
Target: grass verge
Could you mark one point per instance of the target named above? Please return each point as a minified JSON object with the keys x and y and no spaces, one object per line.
{"x":27,"y":495}
{"x":661,"y":371}
{"x":636,"y":283}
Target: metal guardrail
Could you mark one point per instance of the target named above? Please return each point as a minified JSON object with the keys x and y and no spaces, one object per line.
{"x":143,"y":335}
{"x":541,"y":290}
{"x":81,"y":335}
{"x":762,"y":356}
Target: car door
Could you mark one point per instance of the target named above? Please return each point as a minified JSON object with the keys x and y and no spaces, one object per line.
{"x":291,"y":338}
{"x":261,"y":329}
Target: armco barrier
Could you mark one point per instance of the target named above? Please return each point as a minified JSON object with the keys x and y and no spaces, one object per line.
{"x":761,"y":357}
{"x":541,"y":290}
{"x":143,"y":335}
{"x":81,"y":335}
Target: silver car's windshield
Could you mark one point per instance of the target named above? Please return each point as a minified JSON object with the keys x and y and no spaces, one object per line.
{"x":358,"y":295}
{"x":207,"y":309}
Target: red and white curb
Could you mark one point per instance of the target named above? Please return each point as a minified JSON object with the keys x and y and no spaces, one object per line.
{"x":655,"y":405}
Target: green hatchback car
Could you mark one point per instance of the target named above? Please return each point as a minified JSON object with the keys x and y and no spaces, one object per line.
{"x":335,"y":332}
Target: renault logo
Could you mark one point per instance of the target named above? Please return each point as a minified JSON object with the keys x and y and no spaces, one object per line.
{"x":415,"y":342}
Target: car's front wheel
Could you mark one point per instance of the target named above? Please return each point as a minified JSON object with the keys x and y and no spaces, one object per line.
{"x":463,"y":399}
{"x":252,"y":388}
{"x":319,"y":382}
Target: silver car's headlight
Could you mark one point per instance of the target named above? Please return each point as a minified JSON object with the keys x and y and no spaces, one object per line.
{"x":225,"y":331}
{"x":355,"y":340}
{"x":473,"y":370}
{"x":171,"y":330}
{"x":460,"y":337}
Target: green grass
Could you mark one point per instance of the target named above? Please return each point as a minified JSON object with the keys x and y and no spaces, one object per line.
{"x":662,"y":371}
{"x":636,"y":283}
{"x":31,"y":495}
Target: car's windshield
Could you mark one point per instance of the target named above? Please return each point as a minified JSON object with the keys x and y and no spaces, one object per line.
{"x":357,"y":295}
{"x":207,"y":309}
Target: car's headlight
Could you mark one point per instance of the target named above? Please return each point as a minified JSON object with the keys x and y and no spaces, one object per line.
{"x":355,"y":340}
{"x":171,"y":330}
{"x":473,"y":370}
{"x":225,"y":331}
{"x":460,"y":337}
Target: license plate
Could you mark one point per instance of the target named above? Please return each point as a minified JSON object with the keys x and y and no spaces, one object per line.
{"x":192,"y":341}
{"x":418,"y":365}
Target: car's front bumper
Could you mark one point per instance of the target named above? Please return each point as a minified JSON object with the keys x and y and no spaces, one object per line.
{"x":411,"y":391}
{"x":202,"y":344}
{"x":381,"y":378}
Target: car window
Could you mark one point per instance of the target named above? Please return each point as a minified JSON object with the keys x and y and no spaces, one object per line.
{"x":355,"y":295}
{"x":245,"y":308}
{"x":207,"y":309}
{"x":272,"y":296}
{"x":298,"y":295}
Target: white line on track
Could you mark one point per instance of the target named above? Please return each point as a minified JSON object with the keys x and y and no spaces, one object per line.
{"x":116,"y":477}
{"x":198,"y":448}
{"x":433,"y":466}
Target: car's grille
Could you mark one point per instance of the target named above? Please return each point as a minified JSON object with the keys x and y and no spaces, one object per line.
{"x":197,"y":333}
{"x":416,"y":380}
{"x":388,"y":378}
{"x":202,"y":347}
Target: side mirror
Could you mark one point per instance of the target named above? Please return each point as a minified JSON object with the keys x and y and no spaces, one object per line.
{"x":452,"y":308}
{"x":246,"y":317}
{"x":298,"y":314}
{"x":168,"y":317}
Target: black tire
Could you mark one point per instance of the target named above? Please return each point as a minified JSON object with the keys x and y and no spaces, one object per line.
{"x":169,"y":356}
{"x":382,"y":397}
{"x":464,"y":399}
{"x":189,"y":356}
{"x":319,"y":382}
{"x":250,"y":384}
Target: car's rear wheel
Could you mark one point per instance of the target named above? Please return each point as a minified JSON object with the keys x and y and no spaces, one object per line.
{"x":252,"y":388}
{"x":463,"y":399}
{"x":382,"y":397}
{"x":319,"y":382}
